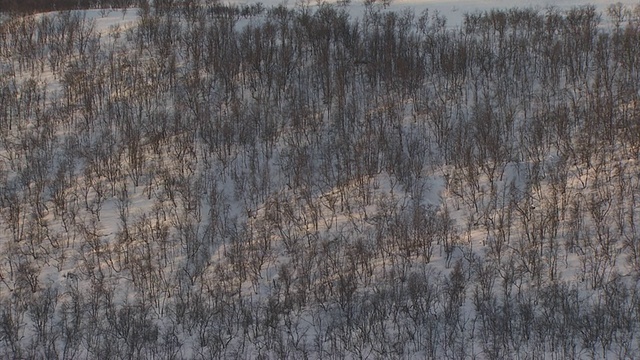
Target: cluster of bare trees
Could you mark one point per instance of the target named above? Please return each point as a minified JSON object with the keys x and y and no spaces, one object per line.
{"x":309,"y":184}
{"x":35,"y":6}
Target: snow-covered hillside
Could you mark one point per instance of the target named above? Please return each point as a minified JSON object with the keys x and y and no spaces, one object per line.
{"x":320,"y":181}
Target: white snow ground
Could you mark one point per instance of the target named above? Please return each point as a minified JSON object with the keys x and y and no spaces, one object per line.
{"x":106,"y":23}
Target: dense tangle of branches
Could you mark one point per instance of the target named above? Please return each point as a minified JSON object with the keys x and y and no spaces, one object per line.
{"x":250,"y":182}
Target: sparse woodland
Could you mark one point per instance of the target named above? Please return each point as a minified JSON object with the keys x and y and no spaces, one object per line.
{"x":35,"y":6}
{"x":268,"y":182}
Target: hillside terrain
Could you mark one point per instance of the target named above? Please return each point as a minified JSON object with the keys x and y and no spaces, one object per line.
{"x":197,"y":180}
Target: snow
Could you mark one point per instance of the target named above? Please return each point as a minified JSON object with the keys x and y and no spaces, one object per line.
{"x":107,"y":22}
{"x":343,"y":213}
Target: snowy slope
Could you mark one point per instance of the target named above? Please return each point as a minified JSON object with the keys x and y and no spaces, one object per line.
{"x":307,"y":184}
